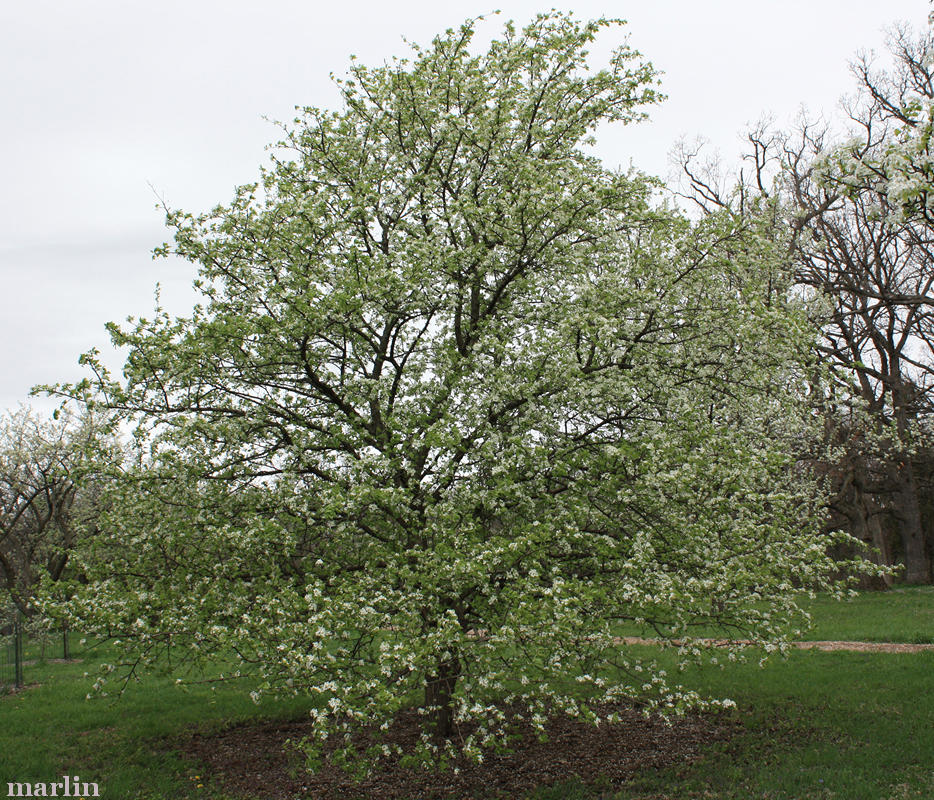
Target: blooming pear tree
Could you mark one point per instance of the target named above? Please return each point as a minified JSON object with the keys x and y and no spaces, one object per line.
{"x":458,"y":401}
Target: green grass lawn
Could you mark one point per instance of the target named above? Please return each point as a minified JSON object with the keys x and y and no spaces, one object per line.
{"x":900,"y":615}
{"x":847,"y":726}
{"x":51,"y":728}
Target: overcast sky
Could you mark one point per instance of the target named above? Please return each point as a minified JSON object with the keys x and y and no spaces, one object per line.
{"x":106,"y":106}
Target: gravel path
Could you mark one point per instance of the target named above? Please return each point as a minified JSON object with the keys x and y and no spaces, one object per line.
{"x":858,"y":647}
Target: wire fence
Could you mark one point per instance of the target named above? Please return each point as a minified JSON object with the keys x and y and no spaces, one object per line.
{"x":11,"y":649}
{"x":24,"y":643}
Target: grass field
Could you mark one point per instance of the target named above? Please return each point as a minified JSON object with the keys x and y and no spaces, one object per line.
{"x":819,"y":725}
{"x":899,"y":615}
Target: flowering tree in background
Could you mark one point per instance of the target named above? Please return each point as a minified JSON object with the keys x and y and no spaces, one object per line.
{"x":49,"y":496}
{"x":458,"y":401}
{"x":893,"y":152}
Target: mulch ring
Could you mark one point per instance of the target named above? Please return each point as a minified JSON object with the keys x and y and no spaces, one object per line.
{"x":250,"y":760}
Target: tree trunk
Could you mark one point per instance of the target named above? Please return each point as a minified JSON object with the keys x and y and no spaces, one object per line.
{"x":881,"y":543}
{"x":866,"y":526}
{"x":439,"y":696}
{"x":908,"y":510}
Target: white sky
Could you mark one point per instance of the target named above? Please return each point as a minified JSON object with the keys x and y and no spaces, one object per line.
{"x":99,"y":99}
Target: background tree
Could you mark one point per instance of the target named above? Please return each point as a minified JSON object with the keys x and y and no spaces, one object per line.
{"x":862,"y":246}
{"x":48,"y":498}
{"x":872,"y":265}
{"x":458,"y":401}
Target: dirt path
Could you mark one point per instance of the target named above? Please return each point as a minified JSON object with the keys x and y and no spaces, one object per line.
{"x":858,"y":647}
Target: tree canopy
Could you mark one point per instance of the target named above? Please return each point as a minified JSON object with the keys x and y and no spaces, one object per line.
{"x":458,"y":401}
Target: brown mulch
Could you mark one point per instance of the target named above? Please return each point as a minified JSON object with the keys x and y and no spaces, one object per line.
{"x":250,"y":760}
